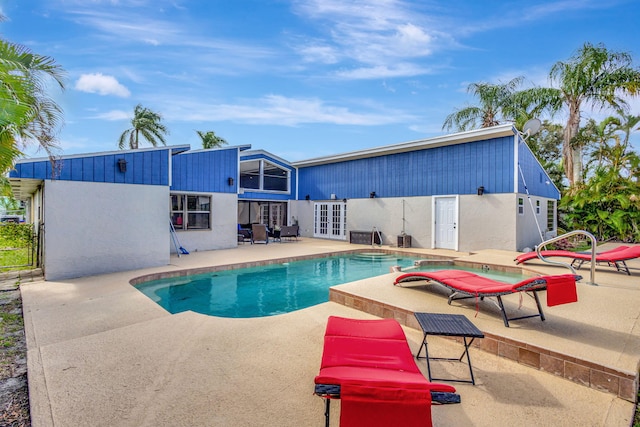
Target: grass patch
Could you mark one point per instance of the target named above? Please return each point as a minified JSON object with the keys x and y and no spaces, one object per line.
{"x":15,"y":257}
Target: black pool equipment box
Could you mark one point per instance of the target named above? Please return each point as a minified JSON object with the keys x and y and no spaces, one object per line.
{"x":365,"y":237}
{"x":404,"y":241}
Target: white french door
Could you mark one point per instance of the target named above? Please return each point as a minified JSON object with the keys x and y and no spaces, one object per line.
{"x":330,"y":220}
{"x":272,"y":214}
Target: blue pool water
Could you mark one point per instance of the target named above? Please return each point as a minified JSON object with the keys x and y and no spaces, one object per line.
{"x":270,"y":289}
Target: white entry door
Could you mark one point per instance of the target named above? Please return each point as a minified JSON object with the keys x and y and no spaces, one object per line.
{"x":446,"y":222}
{"x":330,"y":220}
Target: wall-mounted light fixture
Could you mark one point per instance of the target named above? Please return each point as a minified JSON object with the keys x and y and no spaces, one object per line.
{"x":122,"y":165}
{"x":372,"y":195}
{"x":307,"y":197}
{"x":480,"y":190}
{"x":230,"y":181}
{"x":344,"y":200}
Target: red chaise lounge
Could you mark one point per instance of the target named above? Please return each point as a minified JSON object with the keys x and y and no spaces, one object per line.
{"x":561,"y":289}
{"x":369,"y":366}
{"x":615,"y":257}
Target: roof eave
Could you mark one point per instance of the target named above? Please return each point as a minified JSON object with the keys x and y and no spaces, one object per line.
{"x":439,"y":141}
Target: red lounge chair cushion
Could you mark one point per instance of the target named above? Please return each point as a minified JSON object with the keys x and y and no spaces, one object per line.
{"x":561,"y":289}
{"x":468,"y":282}
{"x":372,"y":353}
{"x":382,"y":328}
{"x":617,"y":254}
{"x":383,"y":407}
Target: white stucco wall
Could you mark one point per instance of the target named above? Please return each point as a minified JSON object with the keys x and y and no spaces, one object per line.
{"x":224,"y":226}
{"x":485,"y":222}
{"x":95,"y":228}
{"x":527,"y":226}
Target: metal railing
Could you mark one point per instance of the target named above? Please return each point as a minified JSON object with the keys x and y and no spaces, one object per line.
{"x":373,"y":236}
{"x":568,"y":265}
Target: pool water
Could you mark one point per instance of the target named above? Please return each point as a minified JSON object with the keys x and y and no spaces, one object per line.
{"x":268,"y":290}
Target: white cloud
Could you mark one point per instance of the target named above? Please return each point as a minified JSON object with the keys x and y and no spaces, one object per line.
{"x":374,"y":36}
{"x":384,"y":71}
{"x":285,"y":111}
{"x":102,"y":85}
{"x":113,"y":115}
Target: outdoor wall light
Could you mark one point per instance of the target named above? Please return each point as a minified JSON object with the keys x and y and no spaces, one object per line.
{"x":344,"y":200}
{"x":372,"y":195}
{"x":230,"y":181}
{"x":122,"y":165}
{"x":480,"y":190}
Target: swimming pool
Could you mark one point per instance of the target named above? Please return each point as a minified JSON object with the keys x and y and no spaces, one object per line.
{"x":268,"y":290}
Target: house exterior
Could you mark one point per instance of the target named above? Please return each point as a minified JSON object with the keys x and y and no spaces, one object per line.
{"x":464,"y":192}
{"x":106,"y":212}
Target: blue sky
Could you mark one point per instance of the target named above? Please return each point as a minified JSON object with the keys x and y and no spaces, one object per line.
{"x":299,"y":78}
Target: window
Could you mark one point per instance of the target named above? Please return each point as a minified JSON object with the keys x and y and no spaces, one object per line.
{"x":191,"y":211}
{"x":551,"y":215}
{"x":537,"y":207}
{"x":263,"y":175}
{"x":520,"y":206}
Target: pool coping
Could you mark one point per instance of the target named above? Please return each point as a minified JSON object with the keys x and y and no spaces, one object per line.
{"x":234,"y":266}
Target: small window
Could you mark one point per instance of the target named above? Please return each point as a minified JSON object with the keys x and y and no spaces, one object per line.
{"x":520,"y":206}
{"x":551,"y":215}
{"x":537,"y":207}
{"x":191,"y":212}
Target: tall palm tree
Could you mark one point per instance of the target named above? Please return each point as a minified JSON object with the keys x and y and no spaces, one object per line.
{"x":210,"y":139}
{"x":27,"y":113}
{"x":146,"y":123}
{"x":593,"y":76}
{"x":496,"y":106}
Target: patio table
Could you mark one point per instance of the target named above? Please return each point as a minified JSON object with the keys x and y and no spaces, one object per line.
{"x":450,"y":325}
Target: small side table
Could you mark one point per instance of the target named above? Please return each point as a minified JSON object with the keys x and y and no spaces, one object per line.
{"x":450,"y":325}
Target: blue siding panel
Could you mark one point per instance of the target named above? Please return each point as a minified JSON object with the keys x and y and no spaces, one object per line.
{"x":98,"y":169}
{"x":110,"y":167}
{"x":137,"y":163}
{"x":144,"y":167}
{"x":40,"y":169}
{"x":87,"y":168}
{"x":536,"y":179}
{"x":454,"y":169}
{"x":76,"y":168}
{"x":205,"y":171}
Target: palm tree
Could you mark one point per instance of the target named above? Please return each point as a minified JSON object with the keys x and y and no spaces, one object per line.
{"x":27,"y":113}
{"x":628,"y":124}
{"x":210,"y":139}
{"x":145,"y":122}
{"x":594,"y":76}
{"x":496,"y":105}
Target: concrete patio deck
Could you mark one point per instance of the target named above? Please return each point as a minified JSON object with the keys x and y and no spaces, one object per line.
{"x":101,"y":353}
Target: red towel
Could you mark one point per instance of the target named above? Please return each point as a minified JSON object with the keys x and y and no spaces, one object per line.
{"x":561,"y":290}
{"x":372,"y":406}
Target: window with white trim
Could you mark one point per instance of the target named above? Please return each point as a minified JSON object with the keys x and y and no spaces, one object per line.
{"x":537,"y":207}
{"x":191,"y":211}
{"x":520,"y":206}
{"x":263,"y":175}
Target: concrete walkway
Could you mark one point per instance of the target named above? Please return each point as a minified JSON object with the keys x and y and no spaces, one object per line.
{"x":100,"y":353}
